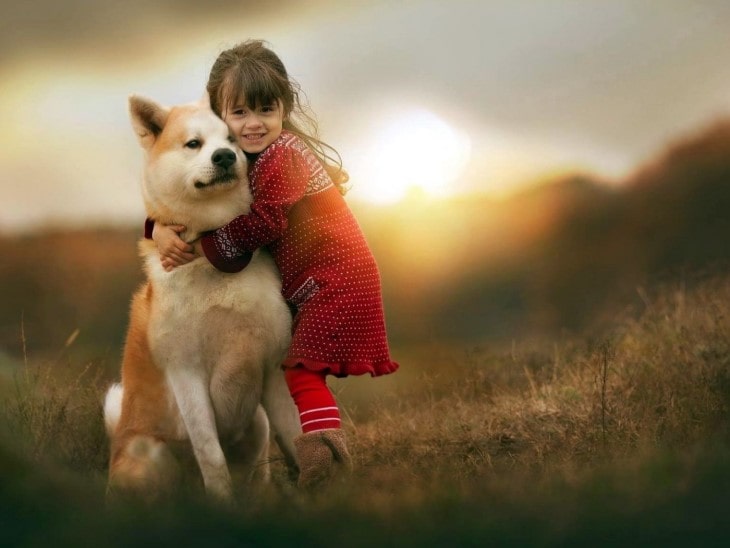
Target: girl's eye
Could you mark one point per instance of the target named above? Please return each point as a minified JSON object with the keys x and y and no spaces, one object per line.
{"x":269,"y":108}
{"x":193,"y":143}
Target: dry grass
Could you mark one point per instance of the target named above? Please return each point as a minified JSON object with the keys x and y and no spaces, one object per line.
{"x":54,"y":408}
{"x":561,"y":442}
{"x":660,"y":381}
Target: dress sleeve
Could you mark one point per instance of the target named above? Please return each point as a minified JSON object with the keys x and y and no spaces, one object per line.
{"x":149,"y":226}
{"x":281,"y":180}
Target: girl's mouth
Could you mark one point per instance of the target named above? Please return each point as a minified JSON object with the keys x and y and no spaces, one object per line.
{"x":254,"y":136}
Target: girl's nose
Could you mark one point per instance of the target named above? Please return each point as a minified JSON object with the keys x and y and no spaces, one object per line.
{"x":253,"y":121}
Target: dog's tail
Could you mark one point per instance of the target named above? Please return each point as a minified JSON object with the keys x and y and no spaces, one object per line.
{"x":113,"y":407}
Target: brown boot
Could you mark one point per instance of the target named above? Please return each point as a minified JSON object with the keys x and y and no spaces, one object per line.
{"x":323,"y":456}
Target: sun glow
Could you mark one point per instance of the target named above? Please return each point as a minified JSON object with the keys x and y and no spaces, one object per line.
{"x":414,"y":152}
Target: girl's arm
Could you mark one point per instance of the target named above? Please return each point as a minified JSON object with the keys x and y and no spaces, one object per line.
{"x":281,"y":181}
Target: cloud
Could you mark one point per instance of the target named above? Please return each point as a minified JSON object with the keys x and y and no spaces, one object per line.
{"x":68,"y":26}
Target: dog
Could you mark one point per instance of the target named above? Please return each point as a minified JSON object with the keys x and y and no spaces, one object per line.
{"x":203,"y":350}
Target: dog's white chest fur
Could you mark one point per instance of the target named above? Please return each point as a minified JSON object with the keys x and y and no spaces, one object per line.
{"x":256,"y":290}
{"x":216,"y":324}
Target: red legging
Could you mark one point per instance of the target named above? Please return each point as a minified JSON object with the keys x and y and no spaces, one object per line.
{"x":317,"y":407}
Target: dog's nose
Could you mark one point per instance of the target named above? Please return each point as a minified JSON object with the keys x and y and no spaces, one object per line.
{"x":224,"y":157}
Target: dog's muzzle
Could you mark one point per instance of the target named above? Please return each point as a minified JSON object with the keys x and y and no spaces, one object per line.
{"x":222,"y":159}
{"x":222,"y":179}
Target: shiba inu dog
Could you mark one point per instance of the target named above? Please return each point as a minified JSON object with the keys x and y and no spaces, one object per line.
{"x":202,"y":356}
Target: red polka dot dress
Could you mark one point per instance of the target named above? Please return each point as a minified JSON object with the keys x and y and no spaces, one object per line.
{"x":327,"y":269}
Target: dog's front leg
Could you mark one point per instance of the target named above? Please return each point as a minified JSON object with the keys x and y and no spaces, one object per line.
{"x":193,"y":400}
{"x":283,"y":416}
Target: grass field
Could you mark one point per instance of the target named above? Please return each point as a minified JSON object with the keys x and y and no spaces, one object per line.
{"x":621,"y":439}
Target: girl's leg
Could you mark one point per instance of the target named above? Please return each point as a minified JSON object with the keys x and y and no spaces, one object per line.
{"x":321,"y":449}
{"x":317,"y":407}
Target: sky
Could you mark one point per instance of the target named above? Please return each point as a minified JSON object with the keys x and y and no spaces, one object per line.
{"x":441,"y":97}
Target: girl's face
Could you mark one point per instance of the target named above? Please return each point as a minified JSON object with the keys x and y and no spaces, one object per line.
{"x":255,"y":128}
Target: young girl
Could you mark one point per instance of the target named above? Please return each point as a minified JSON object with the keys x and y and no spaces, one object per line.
{"x":298,"y":212}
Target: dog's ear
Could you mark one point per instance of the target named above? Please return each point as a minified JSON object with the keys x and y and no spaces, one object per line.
{"x":148,"y":119}
{"x":205,"y":99}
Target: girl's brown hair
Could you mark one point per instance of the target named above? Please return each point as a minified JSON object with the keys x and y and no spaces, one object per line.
{"x":252,"y":74}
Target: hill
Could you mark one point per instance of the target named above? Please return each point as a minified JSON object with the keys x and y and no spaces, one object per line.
{"x":564,"y":255}
{"x":567,"y":254}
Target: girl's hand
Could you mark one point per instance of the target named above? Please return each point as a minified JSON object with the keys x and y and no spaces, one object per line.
{"x":173,"y":250}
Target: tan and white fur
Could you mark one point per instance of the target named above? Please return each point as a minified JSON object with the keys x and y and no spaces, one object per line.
{"x":202,"y":356}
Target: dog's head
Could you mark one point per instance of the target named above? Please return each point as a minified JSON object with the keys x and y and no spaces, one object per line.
{"x":192,"y":162}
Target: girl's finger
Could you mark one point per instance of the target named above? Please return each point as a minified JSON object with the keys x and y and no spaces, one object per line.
{"x":182,"y":257}
{"x":184,"y":247}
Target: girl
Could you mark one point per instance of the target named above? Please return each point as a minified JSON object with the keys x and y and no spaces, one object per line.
{"x":298,"y":212}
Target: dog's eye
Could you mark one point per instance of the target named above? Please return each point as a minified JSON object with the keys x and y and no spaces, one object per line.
{"x":193,"y":143}
{"x":232,"y":139}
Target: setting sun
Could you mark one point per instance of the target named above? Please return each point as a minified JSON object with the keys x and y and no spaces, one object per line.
{"x":413,"y":151}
